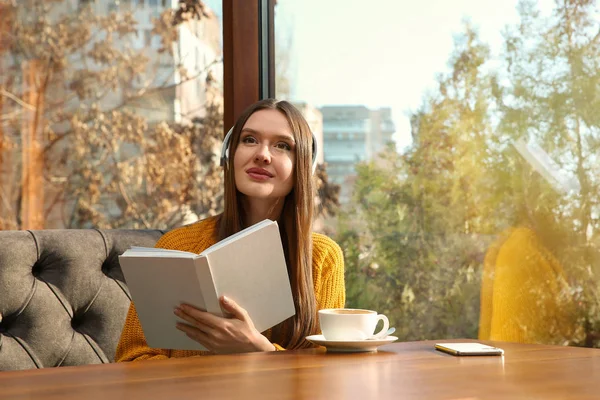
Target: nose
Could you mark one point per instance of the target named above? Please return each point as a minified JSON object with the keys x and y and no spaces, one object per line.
{"x":263,"y":155}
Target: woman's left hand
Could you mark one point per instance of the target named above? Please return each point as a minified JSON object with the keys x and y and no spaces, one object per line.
{"x":222,"y":335}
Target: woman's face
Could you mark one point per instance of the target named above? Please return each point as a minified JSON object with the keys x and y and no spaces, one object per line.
{"x":265,"y":156}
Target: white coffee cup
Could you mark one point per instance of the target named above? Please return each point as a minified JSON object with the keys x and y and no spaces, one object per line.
{"x":351,"y":324}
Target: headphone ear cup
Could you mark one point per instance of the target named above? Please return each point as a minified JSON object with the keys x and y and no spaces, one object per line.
{"x":225,"y":148}
{"x":315,"y":153}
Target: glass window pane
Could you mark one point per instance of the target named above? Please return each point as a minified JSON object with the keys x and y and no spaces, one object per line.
{"x":464,"y":138}
{"x":108,"y":116}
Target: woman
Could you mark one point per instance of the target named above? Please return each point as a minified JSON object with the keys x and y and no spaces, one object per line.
{"x":267,"y":175}
{"x":526,"y":292}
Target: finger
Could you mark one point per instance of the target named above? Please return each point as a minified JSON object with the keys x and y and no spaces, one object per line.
{"x":179,"y":311}
{"x":195,"y":334}
{"x":193,"y":322}
{"x":234,"y":308}
{"x":197,"y":316}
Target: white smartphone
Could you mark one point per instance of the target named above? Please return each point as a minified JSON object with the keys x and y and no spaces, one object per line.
{"x":469,"y":349}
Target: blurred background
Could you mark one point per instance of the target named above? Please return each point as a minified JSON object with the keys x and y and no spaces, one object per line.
{"x":459,"y":171}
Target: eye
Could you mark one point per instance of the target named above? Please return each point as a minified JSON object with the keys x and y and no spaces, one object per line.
{"x":283,"y":146}
{"x":248,"y":139}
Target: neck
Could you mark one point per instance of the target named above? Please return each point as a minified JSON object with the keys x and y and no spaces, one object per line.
{"x":257,"y":210}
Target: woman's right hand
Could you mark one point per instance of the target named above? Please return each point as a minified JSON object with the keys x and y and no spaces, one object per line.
{"x":222,"y":335}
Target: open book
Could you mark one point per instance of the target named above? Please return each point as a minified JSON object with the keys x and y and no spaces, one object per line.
{"x":248,"y":267}
{"x":560,"y":179}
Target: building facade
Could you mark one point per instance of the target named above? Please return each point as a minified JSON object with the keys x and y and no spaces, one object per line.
{"x":315,"y":121}
{"x":353,"y":134}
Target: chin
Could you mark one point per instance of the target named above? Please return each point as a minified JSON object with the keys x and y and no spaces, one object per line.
{"x":256,"y":192}
{"x":258,"y":195}
{"x":262,"y":190}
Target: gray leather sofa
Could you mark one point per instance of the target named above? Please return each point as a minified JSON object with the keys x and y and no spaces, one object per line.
{"x":63,"y":299}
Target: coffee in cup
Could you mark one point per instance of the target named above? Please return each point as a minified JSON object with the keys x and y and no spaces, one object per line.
{"x":351,"y":324}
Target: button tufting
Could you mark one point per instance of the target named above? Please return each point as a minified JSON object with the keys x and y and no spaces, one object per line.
{"x":36,"y":270}
{"x":56,"y":309}
{"x":106,"y":267}
{"x":3,"y":326}
{"x":76,"y":321}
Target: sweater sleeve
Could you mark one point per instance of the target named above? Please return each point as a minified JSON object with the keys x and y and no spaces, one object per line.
{"x":132,"y":345}
{"x":330,"y":289}
{"x":278,"y":347}
{"x":487,"y":286}
{"x":530,"y":297}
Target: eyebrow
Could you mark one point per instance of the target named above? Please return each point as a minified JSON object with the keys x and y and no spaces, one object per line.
{"x":277,"y":136}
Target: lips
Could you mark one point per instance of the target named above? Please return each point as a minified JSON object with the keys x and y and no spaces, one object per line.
{"x":259,"y":173}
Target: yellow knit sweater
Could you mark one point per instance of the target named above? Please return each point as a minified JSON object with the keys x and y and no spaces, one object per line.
{"x":524,"y":293}
{"x":328,"y":278}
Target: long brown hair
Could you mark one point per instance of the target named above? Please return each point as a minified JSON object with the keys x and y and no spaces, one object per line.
{"x":295,"y":222}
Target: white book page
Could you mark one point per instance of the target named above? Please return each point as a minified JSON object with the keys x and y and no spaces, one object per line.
{"x":154,"y":252}
{"x":240,"y":234}
{"x":157,"y":250}
{"x":157,"y":287}
{"x":252,"y":271}
{"x":541,"y":162}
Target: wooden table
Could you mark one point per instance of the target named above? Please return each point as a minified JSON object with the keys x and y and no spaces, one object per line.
{"x":412,"y":370}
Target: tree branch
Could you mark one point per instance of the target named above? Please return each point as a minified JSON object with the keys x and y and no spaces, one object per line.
{"x":14,"y":98}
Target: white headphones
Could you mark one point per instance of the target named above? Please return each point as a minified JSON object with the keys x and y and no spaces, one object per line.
{"x":225,"y":150}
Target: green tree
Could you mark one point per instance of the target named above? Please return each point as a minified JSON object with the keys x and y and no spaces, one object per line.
{"x":412,"y":234}
{"x":550,"y":97}
{"x":420,"y":223}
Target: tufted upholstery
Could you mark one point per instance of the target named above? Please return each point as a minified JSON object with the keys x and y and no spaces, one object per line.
{"x":63,"y":299}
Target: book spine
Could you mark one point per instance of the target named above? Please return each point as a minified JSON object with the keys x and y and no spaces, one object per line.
{"x":207,"y":285}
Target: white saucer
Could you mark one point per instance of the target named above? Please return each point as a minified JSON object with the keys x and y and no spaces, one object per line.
{"x":352,"y":346}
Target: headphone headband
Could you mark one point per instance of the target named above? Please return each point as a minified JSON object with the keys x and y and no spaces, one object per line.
{"x":225,"y":150}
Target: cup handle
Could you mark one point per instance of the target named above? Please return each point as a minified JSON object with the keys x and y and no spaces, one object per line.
{"x":386,"y":325}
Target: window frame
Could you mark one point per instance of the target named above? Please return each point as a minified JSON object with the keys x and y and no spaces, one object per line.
{"x":248,"y":55}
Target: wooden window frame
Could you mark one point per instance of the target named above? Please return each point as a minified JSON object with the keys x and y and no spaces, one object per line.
{"x":248,"y":58}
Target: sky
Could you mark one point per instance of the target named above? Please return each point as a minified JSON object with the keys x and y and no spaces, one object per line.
{"x":381,"y":53}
